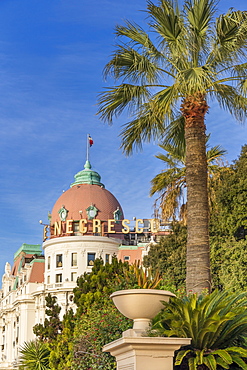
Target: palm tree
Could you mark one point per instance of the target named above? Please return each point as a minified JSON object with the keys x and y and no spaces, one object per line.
{"x":171,"y":183}
{"x":193,"y":59}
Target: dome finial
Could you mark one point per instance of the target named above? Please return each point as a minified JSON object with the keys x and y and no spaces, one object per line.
{"x":87,"y":176}
{"x":87,"y":165}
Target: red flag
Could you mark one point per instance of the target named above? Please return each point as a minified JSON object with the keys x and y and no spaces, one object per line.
{"x":90,"y":140}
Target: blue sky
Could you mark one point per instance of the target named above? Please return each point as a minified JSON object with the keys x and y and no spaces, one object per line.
{"x":52,"y":54}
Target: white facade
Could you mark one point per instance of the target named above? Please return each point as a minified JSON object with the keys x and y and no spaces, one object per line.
{"x":23,"y":306}
{"x":17,"y":314}
{"x":69,"y":257}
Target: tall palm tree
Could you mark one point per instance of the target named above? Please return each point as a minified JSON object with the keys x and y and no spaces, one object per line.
{"x":171,"y":182}
{"x":195,"y":57}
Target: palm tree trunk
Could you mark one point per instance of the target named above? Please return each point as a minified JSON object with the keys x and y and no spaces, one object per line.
{"x":198,"y":275}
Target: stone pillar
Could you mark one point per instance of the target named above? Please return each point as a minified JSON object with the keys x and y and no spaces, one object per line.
{"x":134,"y":352}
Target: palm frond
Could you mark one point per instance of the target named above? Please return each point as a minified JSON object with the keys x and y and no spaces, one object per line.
{"x":199,"y":15}
{"x":195,"y":79}
{"x":230,"y":39}
{"x":169,"y":25}
{"x":129,"y":64}
{"x":190,"y":54}
{"x":243,"y":87}
{"x":169,"y":162}
{"x":165,"y":100}
{"x":144,"y":128}
{"x":174,"y":135}
{"x":171,"y":182}
{"x":139,"y":38}
{"x":215,"y":153}
{"x":116,"y":99}
{"x":229,"y":99}
{"x":150,"y":122}
{"x":174,"y":157}
{"x":240,"y":362}
{"x":239,"y":70}
{"x":210,"y":321}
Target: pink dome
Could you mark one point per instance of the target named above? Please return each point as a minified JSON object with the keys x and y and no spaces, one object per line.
{"x":79,"y":197}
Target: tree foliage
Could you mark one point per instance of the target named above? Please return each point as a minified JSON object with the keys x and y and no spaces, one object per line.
{"x":52,"y":325}
{"x":96,"y":321}
{"x":100,"y":324}
{"x":228,"y":245}
{"x":107,"y":278}
{"x":229,"y":264}
{"x":61,"y":355}
{"x":170,"y":184}
{"x":169,"y":257}
{"x":229,"y":217}
{"x":91,"y":287}
{"x":228,"y":226}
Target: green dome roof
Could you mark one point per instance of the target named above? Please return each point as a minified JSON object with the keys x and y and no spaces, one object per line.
{"x":87,"y":176}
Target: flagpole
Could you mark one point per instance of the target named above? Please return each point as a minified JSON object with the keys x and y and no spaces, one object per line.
{"x":87,"y":147}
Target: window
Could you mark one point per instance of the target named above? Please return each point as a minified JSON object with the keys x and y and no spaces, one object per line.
{"x":76,"y":227}
{"x":74,"y":259}
{"x":90,"y":259}
{"x":107,"y":258}
{"x":58,"y":278}
{"x":73,"y":276}
{"x":49,"y":262}
{"x":59,"y":260}
{"x":48,"y":279}
{"x":126,"y":258}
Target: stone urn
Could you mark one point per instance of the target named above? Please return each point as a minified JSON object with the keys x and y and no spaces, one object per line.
{"x":140,"y":305}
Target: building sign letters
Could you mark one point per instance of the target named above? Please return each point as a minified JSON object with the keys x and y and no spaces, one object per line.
{"x":97,"y":225}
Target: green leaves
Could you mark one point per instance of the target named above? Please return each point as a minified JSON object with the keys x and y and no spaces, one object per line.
{"x":200,"y":15}
{"x":115,"y":100}
{"x":138,"y":37}
{"x":133,"y":66}
{"x":144,"y":276}
{"x":34,"y":355}
{"x":102,"y":323}
{"x":171,"y":182}
{"x":168,"y":24}
{"x":52,"y":324}
{"x":212,"y":359}
{"x":213,"y":322}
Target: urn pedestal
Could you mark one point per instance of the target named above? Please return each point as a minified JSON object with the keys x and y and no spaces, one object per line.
{"x":140,"y":305}
{"x":135,"y":351}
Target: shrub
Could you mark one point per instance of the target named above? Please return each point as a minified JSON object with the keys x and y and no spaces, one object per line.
{"x":101,"y":324}
{"x":216,"y":324}
{"x":34,"y":355}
